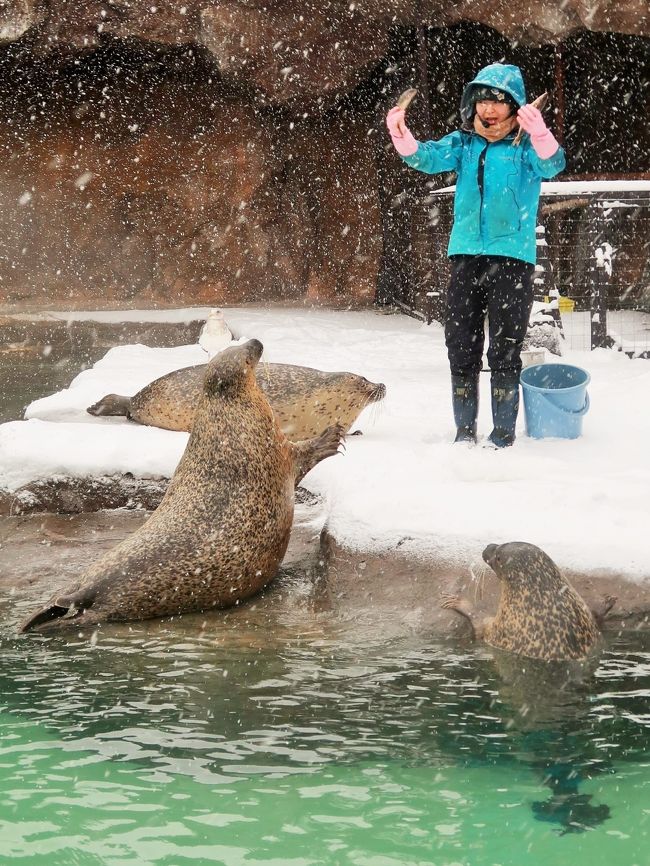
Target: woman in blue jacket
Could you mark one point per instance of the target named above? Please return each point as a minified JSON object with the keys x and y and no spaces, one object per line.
{"x":492,"y":242}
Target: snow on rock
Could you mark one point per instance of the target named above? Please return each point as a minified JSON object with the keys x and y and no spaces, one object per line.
{"x":35,"y":449}
{"x":402,"y":484}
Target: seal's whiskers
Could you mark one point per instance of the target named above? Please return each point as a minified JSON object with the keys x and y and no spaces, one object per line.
{"x":478,"y":570}
{"x":376,"y":409}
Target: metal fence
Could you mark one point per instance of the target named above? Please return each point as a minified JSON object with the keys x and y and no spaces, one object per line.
{"x":593,"y":252}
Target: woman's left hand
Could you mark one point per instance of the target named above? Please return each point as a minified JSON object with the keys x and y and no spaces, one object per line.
{"x":542,"y":139}
{"x":531,"y":120}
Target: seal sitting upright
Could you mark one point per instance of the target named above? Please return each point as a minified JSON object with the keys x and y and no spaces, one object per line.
{"x":540,"y":615}
{"x":223,"y":526}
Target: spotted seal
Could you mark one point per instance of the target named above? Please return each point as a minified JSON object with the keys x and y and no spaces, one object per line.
{"x":540,"y":615}
{"x":223,"y":526}
{"x":304,"y":400}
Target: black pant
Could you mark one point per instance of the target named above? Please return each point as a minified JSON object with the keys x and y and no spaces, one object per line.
{"x":497,"y":286}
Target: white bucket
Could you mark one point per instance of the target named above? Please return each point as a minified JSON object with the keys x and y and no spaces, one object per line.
{"x":532,"y":357}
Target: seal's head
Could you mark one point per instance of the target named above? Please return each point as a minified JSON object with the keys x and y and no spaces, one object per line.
{"x":517,"y":563}
{"x":233,"y":370}
{"x":370,"y":392}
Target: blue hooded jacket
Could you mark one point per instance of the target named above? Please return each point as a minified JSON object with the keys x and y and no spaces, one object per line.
{"x":499,"y":216}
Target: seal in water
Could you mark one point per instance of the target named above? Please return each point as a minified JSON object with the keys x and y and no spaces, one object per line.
{"x":304,"y":400}
{"x":223,"y":526}
{"x":540,"y":615}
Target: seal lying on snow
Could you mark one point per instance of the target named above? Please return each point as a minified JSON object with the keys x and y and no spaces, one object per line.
{"x":540,"y":615}
{"x":223,"y":526}
{"x":304,"y":400}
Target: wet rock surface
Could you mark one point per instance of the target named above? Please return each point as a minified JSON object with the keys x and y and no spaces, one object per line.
{"x":83,"y":495}
{"x":319,"y":584}
{"x":65,"y":495}
{"x":410,"y":589}
{"x":43,"y":553}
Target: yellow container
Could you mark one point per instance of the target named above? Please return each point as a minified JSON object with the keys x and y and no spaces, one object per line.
{"x":566,"y":305}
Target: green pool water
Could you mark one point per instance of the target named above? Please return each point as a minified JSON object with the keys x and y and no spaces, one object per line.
{"x":27,"y":378}
{"x":168,"y":746}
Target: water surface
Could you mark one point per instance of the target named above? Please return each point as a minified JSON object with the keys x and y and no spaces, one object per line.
{"x":30,"y":375}
{"x":249,"y":742}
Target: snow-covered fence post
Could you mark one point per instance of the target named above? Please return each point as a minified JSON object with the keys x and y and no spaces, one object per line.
{"x":600,"y":272}
{"x":544,"y":281}
{"x":543,"y":263}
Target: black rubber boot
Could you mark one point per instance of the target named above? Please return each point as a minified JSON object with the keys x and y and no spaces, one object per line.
{"x":464,"y":393}
{"x":505,"y":406}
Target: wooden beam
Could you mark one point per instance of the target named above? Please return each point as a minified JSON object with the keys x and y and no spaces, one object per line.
{"x":566,"y":204}
{"x":559,"y":94}
{"x":423,"y":75}
{"x":609,"y":175}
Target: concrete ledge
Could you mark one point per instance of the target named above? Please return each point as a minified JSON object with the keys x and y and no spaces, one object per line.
{"x":54,"y":338}
{"x":321,"y":589}
{"x":65,"y":495}
{"x":404,"y":592}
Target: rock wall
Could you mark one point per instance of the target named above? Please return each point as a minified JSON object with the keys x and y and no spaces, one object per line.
{"x":135,"y":178}
{"x":289,"y":48}
{"x":160,"y":153}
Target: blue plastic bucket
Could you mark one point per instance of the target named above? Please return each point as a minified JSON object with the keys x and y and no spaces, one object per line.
{"x":555,"y":400}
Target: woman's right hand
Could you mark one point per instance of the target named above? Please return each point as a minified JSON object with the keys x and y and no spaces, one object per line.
{"x":396,"y":122}
{"x":400,"y":134}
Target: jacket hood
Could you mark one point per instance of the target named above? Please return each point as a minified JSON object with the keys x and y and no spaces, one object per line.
{"x":502,"y":75}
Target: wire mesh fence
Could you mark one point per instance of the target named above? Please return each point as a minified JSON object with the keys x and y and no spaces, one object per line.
{"x":593,"y":260}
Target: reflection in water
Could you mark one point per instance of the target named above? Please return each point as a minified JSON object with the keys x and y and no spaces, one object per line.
{"x":548,"y":699}
{"x":574,"y":812}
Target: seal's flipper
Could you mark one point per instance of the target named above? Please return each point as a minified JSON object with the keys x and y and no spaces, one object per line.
{"x":464,"y":608}
{"x":601,"y":610}
{"x":46,"y":614}
{"x":111,"y":404}
{"x":309,"y":452}
{"x":58,"y":607}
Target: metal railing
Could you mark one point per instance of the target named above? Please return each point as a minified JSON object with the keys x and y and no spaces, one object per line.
{"x":593,"y":250}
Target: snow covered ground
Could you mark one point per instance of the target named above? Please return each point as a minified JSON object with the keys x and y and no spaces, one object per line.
{"x":402,"y":484}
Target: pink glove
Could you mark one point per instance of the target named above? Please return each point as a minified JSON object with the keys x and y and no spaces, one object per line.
{"x":531,"y":121}
{"x":403,"y":140}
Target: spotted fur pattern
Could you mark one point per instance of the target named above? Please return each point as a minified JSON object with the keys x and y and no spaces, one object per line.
{"x":223,"y":526}
{"x":304,"y":400}
{"x":540,"y":615}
